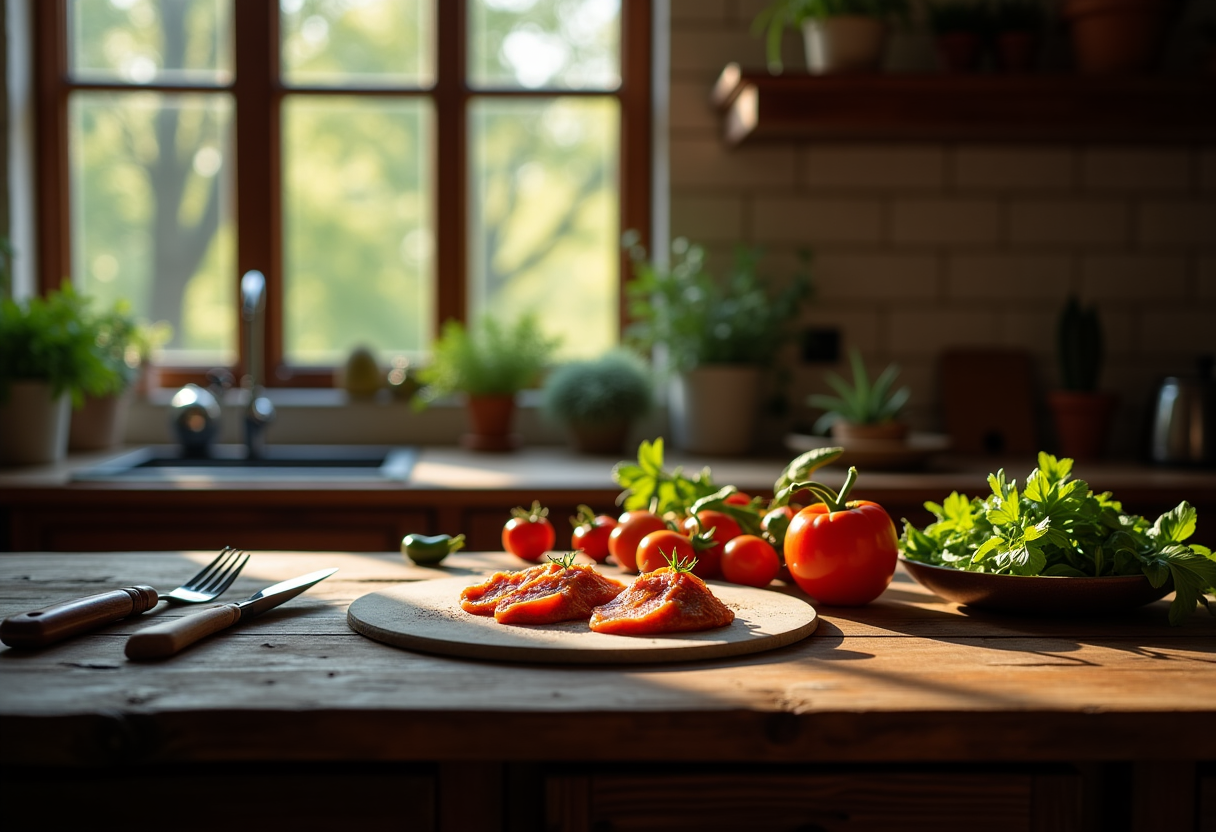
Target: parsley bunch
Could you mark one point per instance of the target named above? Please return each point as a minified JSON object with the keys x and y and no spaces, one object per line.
{"x":1057,"y":526}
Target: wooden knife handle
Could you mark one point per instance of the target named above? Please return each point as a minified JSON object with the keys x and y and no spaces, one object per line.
{"x":162,"y":640}
{"x":29,"y":630}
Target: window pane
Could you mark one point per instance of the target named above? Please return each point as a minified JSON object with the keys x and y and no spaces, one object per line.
{"x":360,"y":42}
{"x":543,"y":215}
{"x":152,"y":213}
{"x":151,"y":41}
{"x":358,"y":234}
{"x":563,"y":44}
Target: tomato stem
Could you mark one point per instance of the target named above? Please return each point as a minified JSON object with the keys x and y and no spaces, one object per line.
{"x":833,"y":500}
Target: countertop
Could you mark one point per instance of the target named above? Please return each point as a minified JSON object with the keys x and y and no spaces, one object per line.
{"x":910,"y":678}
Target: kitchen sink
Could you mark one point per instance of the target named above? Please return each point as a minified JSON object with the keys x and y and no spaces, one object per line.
{"x":279,"y":462}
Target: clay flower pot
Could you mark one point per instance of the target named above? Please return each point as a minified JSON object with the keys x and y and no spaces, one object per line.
{"x":1082,"y":421}
{"x":490,"y":422}
{"x":845,"y":43}
{"x":1116,"y":36}
{"x":886,"y":432}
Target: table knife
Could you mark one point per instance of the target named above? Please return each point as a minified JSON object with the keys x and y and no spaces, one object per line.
{"x":162,"y":640}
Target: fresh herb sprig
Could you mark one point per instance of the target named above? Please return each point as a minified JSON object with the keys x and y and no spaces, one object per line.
{"x":1056,"y":525}
{"x":650,"y":487}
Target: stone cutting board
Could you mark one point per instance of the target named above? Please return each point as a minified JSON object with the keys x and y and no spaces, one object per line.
{"x":426,"y":616}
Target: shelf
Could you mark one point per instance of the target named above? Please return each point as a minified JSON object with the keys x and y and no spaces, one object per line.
{"x":756,"y":106}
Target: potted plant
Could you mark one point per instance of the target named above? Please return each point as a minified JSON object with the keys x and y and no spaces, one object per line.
{"x":1082,"y":413}
{"x":960,"y":30}
{"x":1016,"y":29}
{"x":839,"y":35}
{"x":864,"y":410}
{"x":598,"y":400}
{"x":123,"y":346}
{"x":717,"y":337}
{"x":489,"y":363}
{"x":47,"y":356}
{"x":1116,"y":36}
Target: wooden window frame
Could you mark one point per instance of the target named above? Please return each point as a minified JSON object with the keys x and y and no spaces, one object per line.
{"x":258,"y":96}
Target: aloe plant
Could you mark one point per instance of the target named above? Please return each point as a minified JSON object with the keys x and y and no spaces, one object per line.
{"x":863,"y":402}
{"x":1080,"y":346}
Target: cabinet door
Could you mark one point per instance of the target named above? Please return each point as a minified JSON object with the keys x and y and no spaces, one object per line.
{"x":856,"y":801}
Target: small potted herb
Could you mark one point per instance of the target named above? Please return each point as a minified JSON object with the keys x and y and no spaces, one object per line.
{"x":1082,"y":413}
{"x":489,"y":363}
{"x":839,"y":35}
{"x":717,"y":337}
{"x":48,"y":356}
{"x":598,"y":400}
{"x":865,"y":409}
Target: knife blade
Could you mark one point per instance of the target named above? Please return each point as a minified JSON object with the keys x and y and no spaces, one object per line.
{"x":163,"y":640}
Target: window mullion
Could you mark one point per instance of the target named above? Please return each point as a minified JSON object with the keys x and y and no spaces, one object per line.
{"x":451,"y":143}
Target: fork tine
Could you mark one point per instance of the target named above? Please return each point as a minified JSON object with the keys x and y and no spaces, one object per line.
{"x":205,"y":573}
{"x":234,"y":569}
{"x":226,"y":571}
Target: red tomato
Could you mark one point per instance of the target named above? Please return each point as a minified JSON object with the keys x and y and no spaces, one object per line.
{"x":591,"y":536}
{"x":709,"y":560}
{"x":845,"y":558}
{"x":529,"y":534}
{"x":738,"y":499}
{"x":750,"y":560}
{"x":657,"y":548}
{"x":631,"y":528}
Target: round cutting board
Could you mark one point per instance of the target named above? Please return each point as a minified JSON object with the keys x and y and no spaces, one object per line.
{"x":426,"y":616}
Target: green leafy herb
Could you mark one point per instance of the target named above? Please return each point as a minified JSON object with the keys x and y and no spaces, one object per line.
{"x":649,"y":487}
{"x":1057,"y":526}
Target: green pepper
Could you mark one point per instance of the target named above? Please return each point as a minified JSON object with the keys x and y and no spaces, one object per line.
{"x":430,"y":551}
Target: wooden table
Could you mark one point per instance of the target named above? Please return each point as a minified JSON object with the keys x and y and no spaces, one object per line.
{"x":908,"y":713}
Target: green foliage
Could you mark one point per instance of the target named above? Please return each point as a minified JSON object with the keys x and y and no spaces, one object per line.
{"x":648,"y":486}
{"x":489,"y":359}
{"x":773,"y":19}
{"x":50,"y":339}
{"x":1080,"y":346}
{"x":863,"y":402}
{"x":1057,"y":526}
{"x":123,"y":345}
{"x":6,"y":267}
{"x":701,"y":320}
{"x":614,"y":387}
{"x":953,"y":16}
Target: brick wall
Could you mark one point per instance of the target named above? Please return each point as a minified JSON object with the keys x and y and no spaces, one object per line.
{"x":924,"y":246}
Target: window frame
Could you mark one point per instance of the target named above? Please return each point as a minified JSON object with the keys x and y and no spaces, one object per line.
{"x":258,"y":95}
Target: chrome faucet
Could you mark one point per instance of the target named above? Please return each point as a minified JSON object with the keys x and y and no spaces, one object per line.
{"x":260,"y":411}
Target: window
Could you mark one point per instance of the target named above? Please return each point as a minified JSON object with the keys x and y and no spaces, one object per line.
{"x":387,"y":164}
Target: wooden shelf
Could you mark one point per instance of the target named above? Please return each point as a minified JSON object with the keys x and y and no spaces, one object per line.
{"x":756,"y":106}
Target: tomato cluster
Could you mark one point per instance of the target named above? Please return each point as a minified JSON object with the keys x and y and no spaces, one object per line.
{"x":838,"y":551}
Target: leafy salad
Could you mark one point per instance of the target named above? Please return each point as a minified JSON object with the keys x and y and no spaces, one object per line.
{"x":1056,"y":525}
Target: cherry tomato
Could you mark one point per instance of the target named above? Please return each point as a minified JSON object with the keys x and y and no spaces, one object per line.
{"x":591,"y":533}
{"x":529,"y":534}
{"x":846,"y":557}
{"x":738,"y":499}
{"x":709,"y":559}
{"x":657,"y":548}
{"x":750,"y":560}
{"x":631,"y":527}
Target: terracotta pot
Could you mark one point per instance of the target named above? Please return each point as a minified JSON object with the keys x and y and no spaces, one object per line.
{"x":1082,"y":421}
{"x":1016,"y":51}
{"x":490,"y":421}
{"x":608,"y":438}
{"x":891,"y":431}
{"x":959,"y":51}
{"x":1116,"y":36}
{"x":33,"y":424}
{"x":713,"y":409}
{"x":100,"y":423}
{"x":846,"y":43}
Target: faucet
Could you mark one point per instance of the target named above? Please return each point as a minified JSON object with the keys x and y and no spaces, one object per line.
{"x":260,"y":411}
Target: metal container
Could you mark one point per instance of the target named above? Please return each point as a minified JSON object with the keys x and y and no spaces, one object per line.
{"x":1182,"y":427}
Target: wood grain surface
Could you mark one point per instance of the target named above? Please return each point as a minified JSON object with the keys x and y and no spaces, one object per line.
{"x":427,"y":617}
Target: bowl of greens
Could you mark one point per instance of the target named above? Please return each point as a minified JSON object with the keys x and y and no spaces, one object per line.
{"x":1055,"y":547}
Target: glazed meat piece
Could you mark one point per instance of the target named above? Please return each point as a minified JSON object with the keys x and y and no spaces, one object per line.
{"x":569,"y":594}
{"x":482,"y":598}
{"x":663,"y":601}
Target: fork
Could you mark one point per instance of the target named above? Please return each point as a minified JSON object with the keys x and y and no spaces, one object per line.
{"x":39,"y":628}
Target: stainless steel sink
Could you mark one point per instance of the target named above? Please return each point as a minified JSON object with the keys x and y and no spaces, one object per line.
{"x":278,"y":463}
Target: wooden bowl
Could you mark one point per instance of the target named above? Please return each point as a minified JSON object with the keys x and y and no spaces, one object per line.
{"x":1037,"y":595}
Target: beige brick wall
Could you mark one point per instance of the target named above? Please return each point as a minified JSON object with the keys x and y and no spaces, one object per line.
{"x":924,"y":246}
